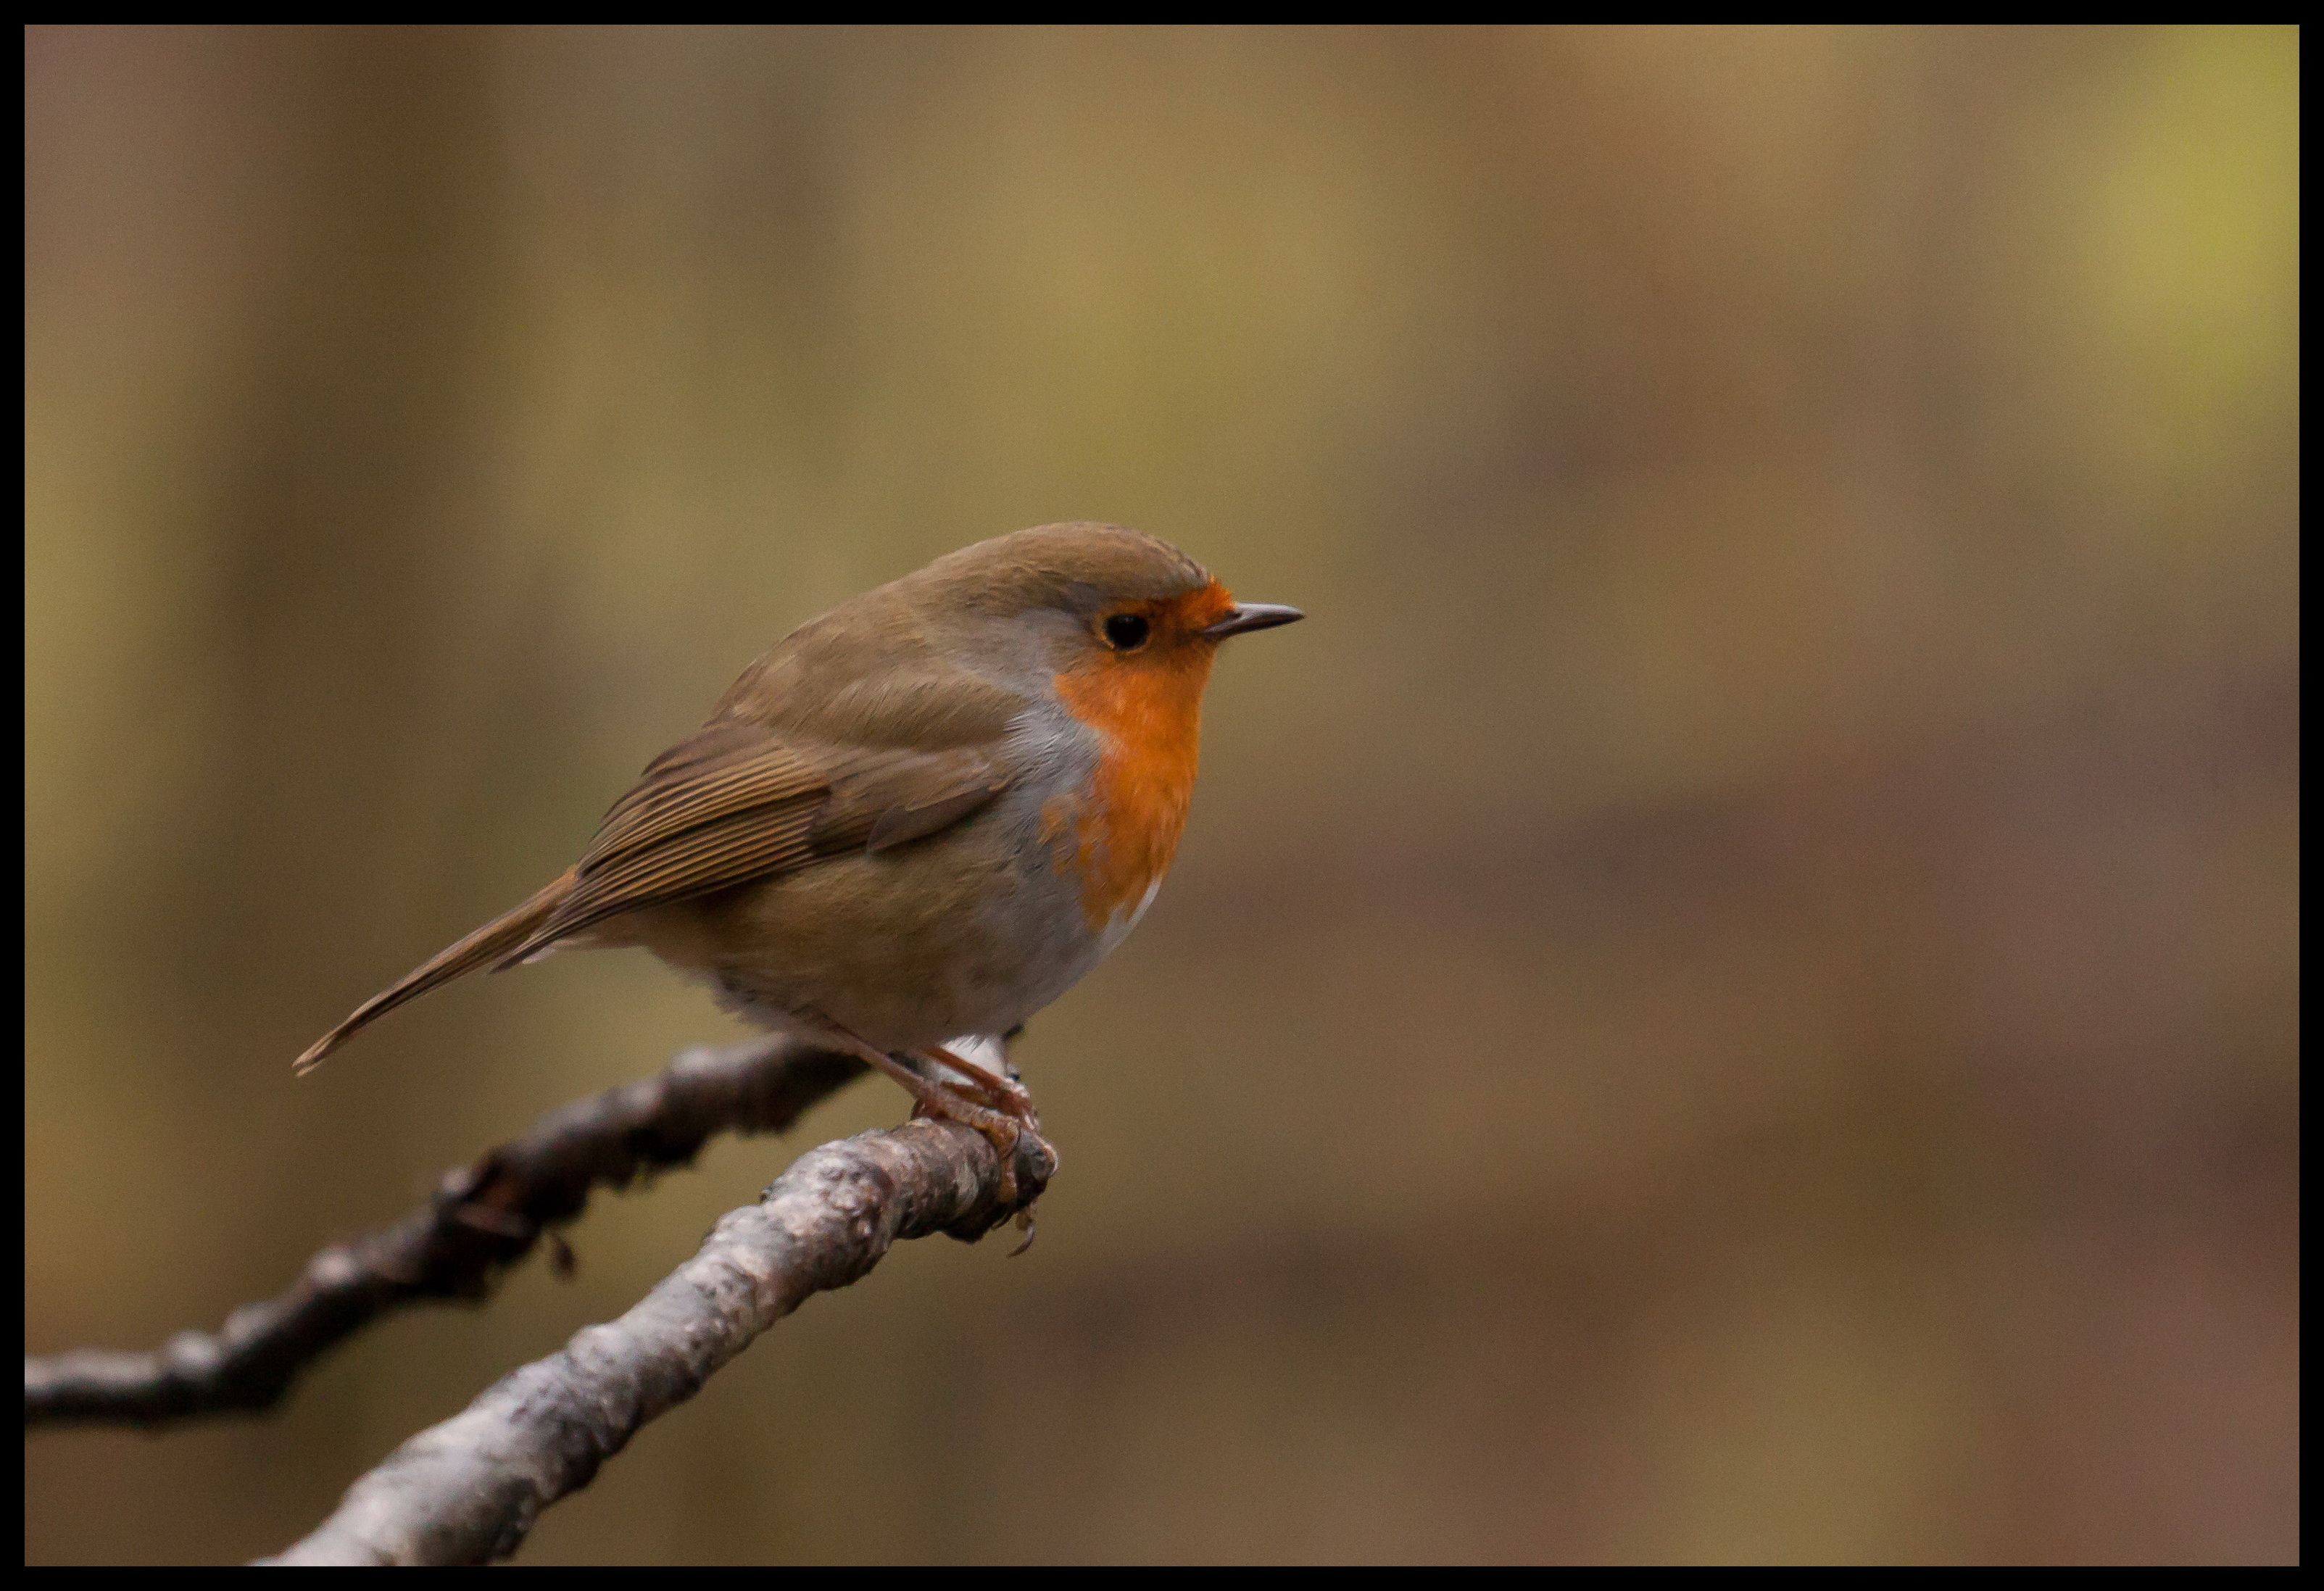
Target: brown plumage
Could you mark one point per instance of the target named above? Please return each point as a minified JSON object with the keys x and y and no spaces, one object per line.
{"x":923,"y":815}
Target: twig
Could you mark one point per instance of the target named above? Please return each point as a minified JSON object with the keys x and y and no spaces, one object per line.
{"x":468,"y":1490}
{"x":484,"y":1218}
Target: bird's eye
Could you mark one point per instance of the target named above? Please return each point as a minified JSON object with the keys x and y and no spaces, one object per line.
{"x":1125,"y":632}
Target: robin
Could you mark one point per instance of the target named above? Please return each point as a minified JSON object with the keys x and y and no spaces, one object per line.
{"x":926,"y":814}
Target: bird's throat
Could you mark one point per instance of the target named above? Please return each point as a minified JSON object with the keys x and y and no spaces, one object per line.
{"x":1148,"y":712}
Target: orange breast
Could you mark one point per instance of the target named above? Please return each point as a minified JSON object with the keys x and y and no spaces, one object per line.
{"x":1148,"y":710}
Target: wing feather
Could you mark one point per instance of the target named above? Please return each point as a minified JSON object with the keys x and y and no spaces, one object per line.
{"x":740,"y":801}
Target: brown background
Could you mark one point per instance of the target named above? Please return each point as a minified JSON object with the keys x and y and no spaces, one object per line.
{"x":1730,"y":995}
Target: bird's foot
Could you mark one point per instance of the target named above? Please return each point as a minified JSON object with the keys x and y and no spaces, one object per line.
{"x":1003,"y":1114}
{"x":1011,"y":1125}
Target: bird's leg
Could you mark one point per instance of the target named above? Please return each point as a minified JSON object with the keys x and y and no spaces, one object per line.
{"x":1005,"y":1091}
{"x":934,"y":1098}
{"x":1011,"y":1097}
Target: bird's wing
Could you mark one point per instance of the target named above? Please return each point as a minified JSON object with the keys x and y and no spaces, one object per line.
{"x":742,"y":800}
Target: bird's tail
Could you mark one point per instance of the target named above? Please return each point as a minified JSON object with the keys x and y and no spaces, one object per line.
{"x":486,"y":945}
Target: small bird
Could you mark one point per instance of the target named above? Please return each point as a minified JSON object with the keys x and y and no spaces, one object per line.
{"x":924,"y":815}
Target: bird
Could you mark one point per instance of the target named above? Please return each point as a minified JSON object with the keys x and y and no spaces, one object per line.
{"x":920,"y":818}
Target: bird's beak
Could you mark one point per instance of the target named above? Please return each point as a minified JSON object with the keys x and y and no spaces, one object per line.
{"x":1246,"y":616}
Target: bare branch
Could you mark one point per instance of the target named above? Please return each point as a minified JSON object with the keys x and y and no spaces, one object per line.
{"x":484,"y":1218}
{"x":468,"y":1490}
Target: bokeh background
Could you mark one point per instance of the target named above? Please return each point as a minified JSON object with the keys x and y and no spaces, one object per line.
{"x":1730,"y":995}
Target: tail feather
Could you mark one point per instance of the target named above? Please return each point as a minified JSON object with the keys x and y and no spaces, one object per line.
{"x":486,"y":945}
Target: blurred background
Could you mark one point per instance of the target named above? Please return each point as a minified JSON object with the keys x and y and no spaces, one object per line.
{"x":1730,"y":995}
